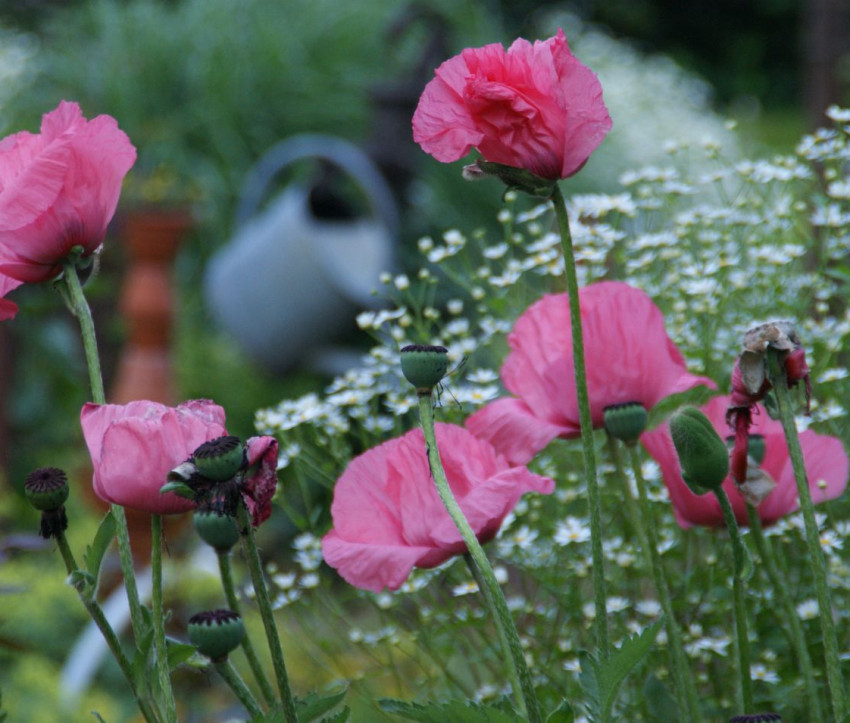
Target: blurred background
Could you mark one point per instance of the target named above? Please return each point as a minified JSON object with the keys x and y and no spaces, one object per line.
{"x":207,"y":88}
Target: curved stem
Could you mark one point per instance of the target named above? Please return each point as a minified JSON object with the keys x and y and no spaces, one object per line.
{"x":791,"y":622}
{"x":514,"y":657}
{"x":586,"y":424}
{"x":237,"y":685}
{"x":247,"y":646}
{"x":742,"y":641}
{"x":779,"y":380}
{"x":76,"y":300}
{"x":681,"y":670}
{"x":160,"y":646}
{"x":97,"y":615}
{"x":266,"y":613}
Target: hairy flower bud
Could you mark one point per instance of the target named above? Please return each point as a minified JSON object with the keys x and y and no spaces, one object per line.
{"x":216,"y":633}
{"x":424,"y":366}
{"x":703,"y":456}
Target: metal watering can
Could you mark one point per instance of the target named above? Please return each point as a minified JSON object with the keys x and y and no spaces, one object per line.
{"x":289,"y":282}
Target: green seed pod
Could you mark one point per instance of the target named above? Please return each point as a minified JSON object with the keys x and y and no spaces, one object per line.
{"x":216,"y":633}
{"x":221,"y":458}
{"x":424,"y":366}
{"x":703,"y":455}
{"x":626,"y":422}
{"x":218,"y":531}
{"x":46,"y":488}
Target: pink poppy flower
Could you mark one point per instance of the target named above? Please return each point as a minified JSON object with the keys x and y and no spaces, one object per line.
{"x":826,"y":463}
{"x":260,"y":482}
{"x":388,"y":517}
{"x":134,"y":446}
{"x":58,"y":189}
{"x":628,"y":355}
{"x":8,"y":309}
{"x":534,"y":107}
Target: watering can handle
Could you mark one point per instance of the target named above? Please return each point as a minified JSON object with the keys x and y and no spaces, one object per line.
{"x":338,"y":151}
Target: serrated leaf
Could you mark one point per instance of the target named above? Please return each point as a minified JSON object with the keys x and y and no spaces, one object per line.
{"x":562,"y":714}
{"x":589,"y":681}
{"x":604,"y":679}
{"x":458,"y":711}
{"x":313,"y":705}
{"x":339,"y":717}
{"x":93,"y":556}
{"x":659,"y":702}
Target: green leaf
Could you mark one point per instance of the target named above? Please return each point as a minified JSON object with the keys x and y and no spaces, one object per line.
{"x":660,"y":703}
{"x":601,"y":681}
{"x":562,"y":714}
{"x":458,"y":711}
{"x":81,"y":580}
{"x":312,"y":706}
{"x":340,"y":717}
{"x":94,"y":553}
{"x":178,"y":652}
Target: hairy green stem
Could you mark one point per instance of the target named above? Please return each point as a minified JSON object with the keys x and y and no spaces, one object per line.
{"x":266,"y":613}
{"x":237,"y":685}
{"x":247,"y":646}
{"x":649,"y":541}
{"x":586,"y":424}
{"x":514,"y":656}
{"x":779,"y":380}
{"x":742,"y":640}
{"x":80,"y":308}
{"x":96,"y":613}
{"x":158,"y":613}
{"x":790,"y":621}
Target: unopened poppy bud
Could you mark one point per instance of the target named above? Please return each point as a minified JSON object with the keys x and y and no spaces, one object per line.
{"x":424,"y":366}
{"x":46,"y":488}
{"x":216,"y":633}
{"x":626,"y":422}
{"x":703,"y":456}
{"x":221,"y":458}
{"x":217,"y":530}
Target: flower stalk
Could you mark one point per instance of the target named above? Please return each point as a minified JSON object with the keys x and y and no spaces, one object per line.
{"x":266,"y":612}
{"x":586,"y":425}
{"x":779,"y":380}
{"x":518,"y":672}
{"x":742,"y":641}
{"x":230,"y":595}
{"x":79,"y":307}
{"x":160,"y":646}
{"x":237,"y":685}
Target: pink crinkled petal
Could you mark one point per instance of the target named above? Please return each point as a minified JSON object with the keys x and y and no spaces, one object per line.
{"x":514,"y":430}
{"x":261,"y":480}
{"x":372,"y":566}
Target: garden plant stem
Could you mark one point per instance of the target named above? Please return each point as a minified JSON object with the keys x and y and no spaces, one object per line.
{"x":779,"y":380}
{"x":791,"y":620}
{"x":742,"y":641}
{"x":237,"y":685}
{"x":80,"y":309}
{"x":649,"y":541}
{"x":514,"y":657}
{"x":266,"y":612}
{"x":158,"y":615}
{"x":96,"y":613}
{"x":226,"y":570}
{"x":586,"y":424}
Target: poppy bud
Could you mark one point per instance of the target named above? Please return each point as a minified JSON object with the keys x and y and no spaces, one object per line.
{"x":217,"y":530}
{"x":424,"y":366}
{"x":221,"y":458}
{"x":216,"y":633}
{"x":626,"y":422}
{"x":703,"y":456}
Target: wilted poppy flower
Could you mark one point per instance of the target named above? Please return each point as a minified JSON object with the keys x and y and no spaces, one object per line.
{"x":826,"y":463}
{"x":628,"y":355}
{"x":534,"y":107}
{"x":260,"y":479}
{"x":388,"y":517}
{"x":58,"y":190}
{"x":134,"y":446}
